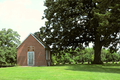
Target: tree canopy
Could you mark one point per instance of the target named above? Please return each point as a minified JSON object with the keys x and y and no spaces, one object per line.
{"x":9,"y":40}
{"x":74,"y":22}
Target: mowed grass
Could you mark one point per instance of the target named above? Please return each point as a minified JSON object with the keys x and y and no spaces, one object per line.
{"x":62,"y":72}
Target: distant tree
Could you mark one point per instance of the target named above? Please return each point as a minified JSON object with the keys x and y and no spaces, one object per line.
{"x":78,"y":55}
{"x":53,"y":60}
{"x":9,"y":40}
{"x":88,"y":54}
{"x":119,"y":57}
{"x":108,"y":56}
{"x":103,"y":55}
{"x":115,"y":57}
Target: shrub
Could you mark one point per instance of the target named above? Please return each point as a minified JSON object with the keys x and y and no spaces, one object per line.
{"x":53,"y":60}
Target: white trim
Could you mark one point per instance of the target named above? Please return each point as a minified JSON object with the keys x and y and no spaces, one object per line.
{"x":47,"y":55}
{"x":28,"y":58}
{"x":38,"y":40}
{"x":34,"y":38}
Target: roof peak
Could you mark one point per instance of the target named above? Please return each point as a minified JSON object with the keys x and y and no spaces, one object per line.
{"x":39,"y":41}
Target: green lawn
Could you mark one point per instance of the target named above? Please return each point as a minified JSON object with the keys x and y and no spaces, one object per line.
{"x":62,"y":72}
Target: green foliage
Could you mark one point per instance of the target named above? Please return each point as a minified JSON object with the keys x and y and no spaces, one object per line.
{"x":53,"y":60}
{"x":9,"y":40}
{"x":88,"y":54}
{"x":73,"y":56}
{"x":107,"y":56}
{"x":115,"y":57}
{"x":72,"y":23}
{"x":83,"y":55}
{"x":104,"y":54}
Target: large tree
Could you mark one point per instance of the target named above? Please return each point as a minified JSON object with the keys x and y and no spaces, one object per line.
{"x":74,"y":22}
{"x":9,"y":40}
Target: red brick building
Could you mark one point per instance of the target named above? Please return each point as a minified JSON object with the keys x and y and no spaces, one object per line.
{"x":33,"y":52}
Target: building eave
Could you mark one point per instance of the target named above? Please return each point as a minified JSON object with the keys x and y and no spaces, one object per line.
{"x":34,"y":38}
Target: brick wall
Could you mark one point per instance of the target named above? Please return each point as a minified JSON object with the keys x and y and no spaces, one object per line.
{"x":39,"y":52}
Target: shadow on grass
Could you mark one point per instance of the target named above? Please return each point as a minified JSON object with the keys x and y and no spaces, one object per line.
{"x":105,"y":68}
{"x":4,"y":66}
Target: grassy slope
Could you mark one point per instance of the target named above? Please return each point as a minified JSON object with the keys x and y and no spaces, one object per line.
{"x":66,"y":72}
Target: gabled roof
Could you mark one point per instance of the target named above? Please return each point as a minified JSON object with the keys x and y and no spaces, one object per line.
{"x":38,"y":39}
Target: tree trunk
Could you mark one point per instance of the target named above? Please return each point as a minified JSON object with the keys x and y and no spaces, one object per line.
{"x":76,"y":63}
{"x":106,"y":61}
{"x":82,"y":62}
{"x":113,"y":62}
{"x":97,"y":51}
{"x":69,"y":62}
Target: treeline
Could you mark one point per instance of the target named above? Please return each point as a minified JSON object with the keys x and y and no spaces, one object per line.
{"x":83,"y":55}
{"x":9,"y":40}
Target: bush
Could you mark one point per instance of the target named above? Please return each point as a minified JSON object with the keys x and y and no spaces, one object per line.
{"x":53,"y":60}
{"x":115,"y":57}
{"x":82,"y":55}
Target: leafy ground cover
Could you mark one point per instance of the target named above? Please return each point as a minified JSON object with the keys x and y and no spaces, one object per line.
{"x":62,"y":72}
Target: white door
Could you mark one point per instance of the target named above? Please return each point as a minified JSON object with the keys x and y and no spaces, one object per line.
{"x":30,"y":56}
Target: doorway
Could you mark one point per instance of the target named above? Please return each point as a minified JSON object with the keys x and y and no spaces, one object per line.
{"x":30,"y":58}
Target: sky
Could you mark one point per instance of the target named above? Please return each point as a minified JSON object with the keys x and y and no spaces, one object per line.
{"x":23,"y":16}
